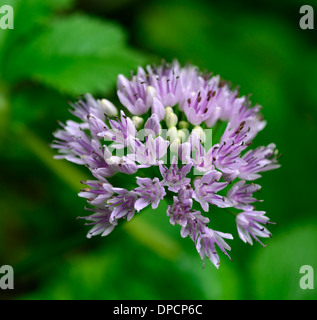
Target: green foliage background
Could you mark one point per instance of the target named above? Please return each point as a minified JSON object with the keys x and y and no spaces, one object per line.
{"x":61,"y":49}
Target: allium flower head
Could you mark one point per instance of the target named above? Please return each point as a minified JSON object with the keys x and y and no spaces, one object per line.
{"x":160,"y":146}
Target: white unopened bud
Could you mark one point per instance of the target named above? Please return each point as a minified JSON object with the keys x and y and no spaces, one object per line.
{"x":175,"y":145}
{"x":137,"y":121}
{"x":183,"y":125}
{"x":182,"y":135}
{"x":199,"y":130}
{"x":168,"y":110}
{"x":113,"y":160}
{"x":171,"y":119}
{"x":172,"y":134}
{"x":108,"y":108}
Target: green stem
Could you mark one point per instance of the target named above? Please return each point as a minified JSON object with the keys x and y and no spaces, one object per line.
{"x":65,"y":171}
{"x":228,"y":210}
{"x":152,"y":238}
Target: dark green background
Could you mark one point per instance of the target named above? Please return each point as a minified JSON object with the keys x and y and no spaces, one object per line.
{"x":61,"y":49}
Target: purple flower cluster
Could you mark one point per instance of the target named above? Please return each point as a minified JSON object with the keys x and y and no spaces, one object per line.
{"x":159,"y":146}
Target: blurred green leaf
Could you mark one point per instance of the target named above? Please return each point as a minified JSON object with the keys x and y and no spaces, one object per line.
{"x":224,"y":283}
{"x":85,"y":74}
{"x":80,"y":35}
{"x":31,"y":15}
{"x":75,"y":55}
{"x":275,"y":269}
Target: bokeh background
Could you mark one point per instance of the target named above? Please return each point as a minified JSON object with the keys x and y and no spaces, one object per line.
{"x":61,"y":49}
